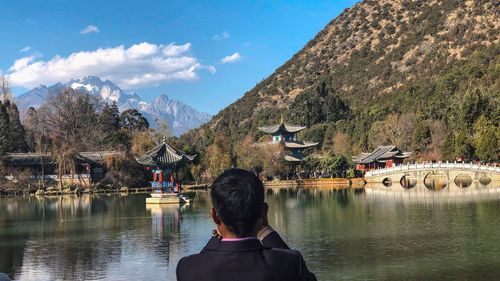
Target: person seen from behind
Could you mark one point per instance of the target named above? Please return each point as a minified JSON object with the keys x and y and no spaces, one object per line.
{"x":245,"y":247}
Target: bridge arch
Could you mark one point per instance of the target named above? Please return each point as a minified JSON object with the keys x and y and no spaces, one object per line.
{"x":408,"y":181}
{"x":436,"y":180}
{"x":484,"y":180}
{"x":463,"y":180}
{"x":436,"y":175}
{"x":387,"y":181}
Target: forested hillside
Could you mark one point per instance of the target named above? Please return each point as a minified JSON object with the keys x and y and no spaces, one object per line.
{"x":423,"y":75}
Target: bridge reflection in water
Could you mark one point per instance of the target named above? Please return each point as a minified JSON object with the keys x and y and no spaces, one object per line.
{"x":420,"y":193}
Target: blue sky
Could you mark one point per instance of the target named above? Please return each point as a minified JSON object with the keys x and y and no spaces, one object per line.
{"x":184,"y":44}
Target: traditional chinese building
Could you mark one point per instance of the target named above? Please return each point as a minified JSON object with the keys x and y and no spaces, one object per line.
{"x":381,"y":157}
{"x":164,"y":161}
{"x":287,"y":135}
{"x":89,"y":167}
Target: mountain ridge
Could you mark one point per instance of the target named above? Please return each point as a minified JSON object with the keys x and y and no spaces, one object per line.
{"x":372,"y":56}
{"x":180,"y":117}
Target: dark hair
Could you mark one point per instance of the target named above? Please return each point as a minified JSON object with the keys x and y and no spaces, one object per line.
{"x":238,"y":198}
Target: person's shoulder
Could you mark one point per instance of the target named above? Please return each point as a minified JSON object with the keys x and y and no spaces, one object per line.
{"x":284,"y":254}
{"x":292,"y":260}
{"x":191,"y":259}
{"x":187,"y":264}
{"x":281,"y":251}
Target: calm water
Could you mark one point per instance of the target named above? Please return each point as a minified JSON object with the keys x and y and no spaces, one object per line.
{"x":343,"y":235}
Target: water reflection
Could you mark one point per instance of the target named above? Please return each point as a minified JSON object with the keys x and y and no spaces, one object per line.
{"x":381,"y":233}
{"x":87,"y":237}
{"x":421,"y":194}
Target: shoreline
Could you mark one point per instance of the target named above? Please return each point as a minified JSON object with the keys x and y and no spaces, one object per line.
{"x":340,"y":183}
{"x":67,"y":191}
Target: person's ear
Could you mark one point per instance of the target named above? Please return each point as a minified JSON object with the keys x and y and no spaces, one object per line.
{"x":215,"y":217}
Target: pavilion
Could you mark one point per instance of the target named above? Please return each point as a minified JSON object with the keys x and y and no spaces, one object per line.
{"x":381,"y":157}
{"x":164,"y":161}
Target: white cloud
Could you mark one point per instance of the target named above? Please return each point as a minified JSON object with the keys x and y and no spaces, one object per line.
{"x":222,"y":36}
{"x":143,"y":64}
{"x":212,"y":69}
{"x":231,"y":58}
{"x":142,"y":50}
{"x":90,"y":29}
{"x":25,"y":49}
{"x":171,"y":49}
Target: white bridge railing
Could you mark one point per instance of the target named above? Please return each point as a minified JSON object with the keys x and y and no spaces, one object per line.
{"x":433,"y":166}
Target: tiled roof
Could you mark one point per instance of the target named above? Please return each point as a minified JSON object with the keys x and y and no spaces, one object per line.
{"x":300,"y":144}
{"x":33,"y":158}
{"x":285,"y":127}
{"x":380,"y":153}
{"x":163,"y":154}
{"x":290,"y":158}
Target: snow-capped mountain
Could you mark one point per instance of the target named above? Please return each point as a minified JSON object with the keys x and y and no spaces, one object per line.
{"x":178,"y":115}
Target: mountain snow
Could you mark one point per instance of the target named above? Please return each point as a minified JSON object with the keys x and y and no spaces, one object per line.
{"x":179,"y":116}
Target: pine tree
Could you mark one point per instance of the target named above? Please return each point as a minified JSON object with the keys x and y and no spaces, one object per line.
{"x":133,"y":120}
{"x":30,"y":126}
{"x":463,"y":146}
{"x":4,"y":130}
{"x":485,"y":140}
{"x":17,"y":136}
{"x":110,"y":117}
{"x":421,"y":137}
{"x":449,"y":146}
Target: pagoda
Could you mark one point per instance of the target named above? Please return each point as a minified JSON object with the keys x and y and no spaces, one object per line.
{"x":287,"y":135}
{"x":163,"y":161}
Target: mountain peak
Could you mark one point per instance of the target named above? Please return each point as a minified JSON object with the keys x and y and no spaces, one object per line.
{"x":163,"y":97}
{"x":179,"y":116}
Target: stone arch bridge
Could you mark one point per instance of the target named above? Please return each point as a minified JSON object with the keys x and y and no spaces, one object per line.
{"x":435,"y":176}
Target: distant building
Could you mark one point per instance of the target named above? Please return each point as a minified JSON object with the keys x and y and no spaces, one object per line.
{"x":287,"y":135}
{"x":381,"y":157}
{"x":90,"y":166}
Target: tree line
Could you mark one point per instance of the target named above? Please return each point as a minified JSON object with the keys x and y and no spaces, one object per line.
{"x":71,"y":122}
{"x":451,"y":115}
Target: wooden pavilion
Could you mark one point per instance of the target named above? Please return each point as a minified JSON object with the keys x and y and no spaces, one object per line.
{"x":163,"y":161}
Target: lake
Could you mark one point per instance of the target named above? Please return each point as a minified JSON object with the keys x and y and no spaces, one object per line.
{"x":343,"y":235}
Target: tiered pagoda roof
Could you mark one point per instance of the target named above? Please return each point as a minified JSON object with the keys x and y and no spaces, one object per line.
{"x":273,"y":129}
{"x":381,"y":154}
{"x":300,"y":144}
{"x":285,"y":134}
{"x":163,"y":154}
{"x":294,"y":158}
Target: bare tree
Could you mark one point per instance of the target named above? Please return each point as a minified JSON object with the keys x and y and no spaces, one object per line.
{"x":162,"y":131}
{"x":4,"y":87}
{"x":38,"y":140}
{"x":71,"y":121}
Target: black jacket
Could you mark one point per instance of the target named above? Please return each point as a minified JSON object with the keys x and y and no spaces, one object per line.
{"x":245,"y":260}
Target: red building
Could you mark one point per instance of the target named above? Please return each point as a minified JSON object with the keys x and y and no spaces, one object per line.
{"x":381,"y":157}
